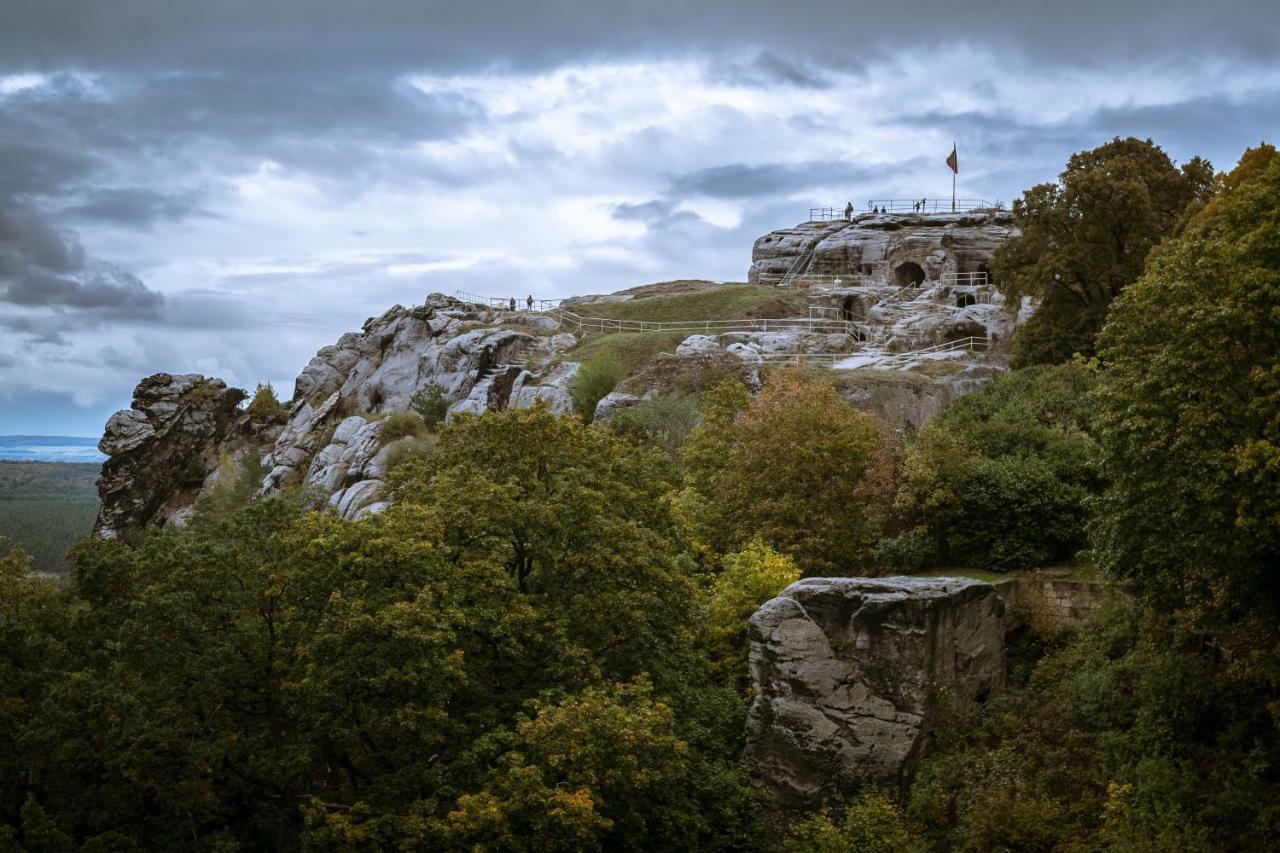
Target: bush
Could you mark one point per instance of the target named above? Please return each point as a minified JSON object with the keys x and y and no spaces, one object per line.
{"x":398,"y":425}
{"x":265,"y":406}
{"x":871,"y":825}
{"x":431,"y":404}
{"x":596,"y":378}
{"x":1001,"y":479}
{"x":410,"y":447}
{"x":664,"y":422}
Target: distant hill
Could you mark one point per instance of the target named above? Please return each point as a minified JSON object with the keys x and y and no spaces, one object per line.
{"x":50,"y":448}
{"x":46,"y":506}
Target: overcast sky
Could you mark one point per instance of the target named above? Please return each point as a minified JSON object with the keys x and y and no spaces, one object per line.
{"x":226,"y":187}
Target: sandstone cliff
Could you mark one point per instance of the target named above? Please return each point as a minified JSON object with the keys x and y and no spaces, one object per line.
{"x":848,"y":675}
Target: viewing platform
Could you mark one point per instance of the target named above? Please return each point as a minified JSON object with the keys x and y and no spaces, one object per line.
{"x":923,"y":204}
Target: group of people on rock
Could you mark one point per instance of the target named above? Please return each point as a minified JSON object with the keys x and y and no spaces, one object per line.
{"x":917,"y":206}
{"x":528,"y":302}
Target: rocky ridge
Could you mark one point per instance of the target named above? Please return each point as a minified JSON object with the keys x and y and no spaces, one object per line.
{"x":170,"y":446}
{"x":166,"y":450}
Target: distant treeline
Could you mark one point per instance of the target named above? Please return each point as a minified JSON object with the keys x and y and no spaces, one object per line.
{"x":46,"y":506}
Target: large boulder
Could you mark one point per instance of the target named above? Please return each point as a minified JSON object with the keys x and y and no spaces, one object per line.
{"x":160,"y":451}
{"x":848,"y":675}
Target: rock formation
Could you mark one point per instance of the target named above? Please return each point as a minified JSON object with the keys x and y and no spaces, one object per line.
{"x":908,"y":281}
{"x":160,"y":450}
{"x":165,"y":451}
{"x":848,"y":675}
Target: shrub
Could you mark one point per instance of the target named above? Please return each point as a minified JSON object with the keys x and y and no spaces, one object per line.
{"x":749,"y":578}
{"x":596,"y":378}
{"x":1001,"y":479}
{"x":872,"y":824}
{"x":265,"y":406}
{"x":664,"y":422}
{"x":410,"y":447}
{"x":431,"y":404}
{"x":398,"y":425}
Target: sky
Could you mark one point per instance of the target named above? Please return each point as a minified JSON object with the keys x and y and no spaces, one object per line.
{"x":224,"y":188}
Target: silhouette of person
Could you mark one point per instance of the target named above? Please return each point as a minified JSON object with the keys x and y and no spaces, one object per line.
{"x":513,"y":303}
{"x":529,"y":302}
{"x":848,"y":211}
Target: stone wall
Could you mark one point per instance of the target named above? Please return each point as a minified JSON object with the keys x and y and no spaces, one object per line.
{"x":1055,"y":604}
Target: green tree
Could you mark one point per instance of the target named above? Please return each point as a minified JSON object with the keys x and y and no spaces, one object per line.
{"x":431,"y":404}
{"x":1188,"y":406}
{"x":1086,"y":237}
{"x":747,"y":580}
{"x":797,"y":467}
{"x":265,"y":407}
{"x":1001,"y":478}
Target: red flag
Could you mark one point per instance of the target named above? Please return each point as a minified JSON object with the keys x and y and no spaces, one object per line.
{"x":952,"y":161}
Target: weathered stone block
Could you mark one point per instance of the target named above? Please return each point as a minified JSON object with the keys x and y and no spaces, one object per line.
{"x":848,"y":675}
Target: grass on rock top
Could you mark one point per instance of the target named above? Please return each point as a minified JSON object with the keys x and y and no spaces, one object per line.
{"x":718,"y":302}
{"x":634,"y":350}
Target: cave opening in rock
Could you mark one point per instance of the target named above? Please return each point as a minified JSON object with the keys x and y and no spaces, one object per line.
{"x":964,"y":300}
{"x":908,"y":274}
{"x":849,"y":309}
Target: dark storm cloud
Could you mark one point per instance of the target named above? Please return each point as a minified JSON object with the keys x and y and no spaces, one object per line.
{"x":344,"y":124}
{"x":769,"y":69}
{"x":738,"y":180}
{"x":338,"y":34}
{"x":45,"y":267}
{"x":133,"y":207}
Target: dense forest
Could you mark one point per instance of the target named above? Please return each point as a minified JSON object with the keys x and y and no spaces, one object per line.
{"x":542,"y":644}
{"x":47,"y":506}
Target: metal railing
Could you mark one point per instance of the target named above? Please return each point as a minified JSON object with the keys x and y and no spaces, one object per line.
{"x":504,"y":303}
{"x":824,"y":311}
{"x":964,"y":279}
{"x":608,"y":324}
{"x":827,"y":214}
{"x":813,"y":281}
{"x":899,"y":360}
{"x":931,"y":204}
{"x":798,"y":268}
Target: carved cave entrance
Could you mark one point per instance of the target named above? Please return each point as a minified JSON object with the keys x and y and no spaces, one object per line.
{"x":908,"y":274}
{"x":849,"y":308}
{"x":964,"y":300}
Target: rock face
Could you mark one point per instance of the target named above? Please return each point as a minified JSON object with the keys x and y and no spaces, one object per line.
{"x":905,"y":281}
{"x":886,"y":248}
{"x":159,"y":451}
{"x":847,"y":671}
{"x":165,"y":450}
{"x":484,"y":360}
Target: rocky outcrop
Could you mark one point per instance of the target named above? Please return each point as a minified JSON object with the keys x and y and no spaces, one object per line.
{"x":905,"y":281}
{"x":160,"y":450}
{"x":165,"y":451}
{"x":848,"y":674}
{"x":483,"y":360}
{"x":884,"y":248}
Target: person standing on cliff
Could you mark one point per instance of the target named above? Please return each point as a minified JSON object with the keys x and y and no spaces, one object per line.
{"x":513,"y":303}
{"x":848,"y":211}
{"x":529,"y":302}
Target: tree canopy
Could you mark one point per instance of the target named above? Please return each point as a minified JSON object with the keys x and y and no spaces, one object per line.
{"x":1189,"y":406}
{"x":1086,"y":237}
